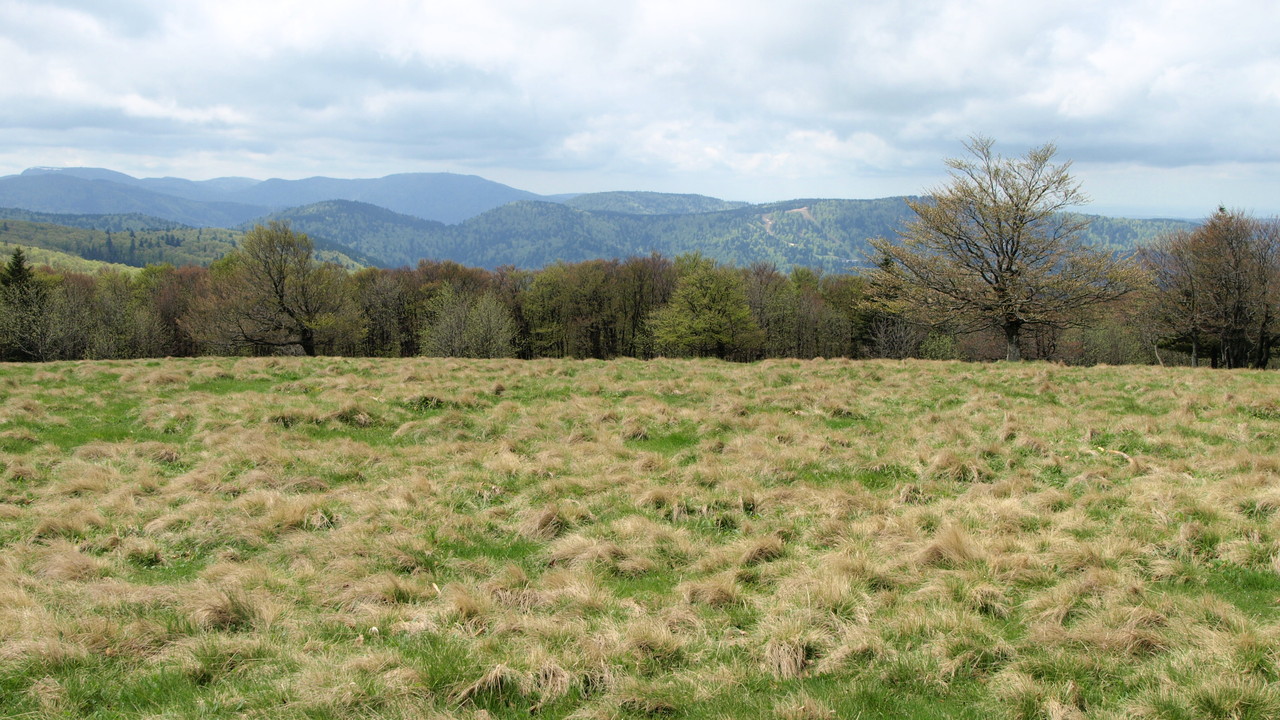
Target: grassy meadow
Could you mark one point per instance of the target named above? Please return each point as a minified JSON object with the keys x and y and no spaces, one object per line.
{"x":436,"y":538}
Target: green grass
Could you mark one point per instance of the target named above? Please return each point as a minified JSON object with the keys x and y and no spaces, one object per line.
{"x":331,"y":538}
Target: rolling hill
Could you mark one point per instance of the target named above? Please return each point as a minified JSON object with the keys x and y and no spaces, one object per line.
{"x":400,"y":219}
{"x":142,"y":241}
{"x":388,"y":238}
{"x":830,"y":234}
{"x":226,"y":202}
{"x":650,"y":203}
{"x":827,"y":234}
{"x":73,"y":195}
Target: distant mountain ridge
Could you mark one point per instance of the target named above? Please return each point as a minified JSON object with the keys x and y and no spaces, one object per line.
{"x":74,"y":195}
{"x":650,"y":203}
{"x":224,"y":202}
{"x":398,"y":220}
{"x":827,"y":234}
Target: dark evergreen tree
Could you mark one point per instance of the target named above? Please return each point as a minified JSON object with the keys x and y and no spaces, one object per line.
{"x":16,"y":272}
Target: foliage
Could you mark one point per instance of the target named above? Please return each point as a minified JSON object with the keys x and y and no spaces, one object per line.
{"x":1217,"y":288}
{"x":471,"y":327}
{"x":994,"y":249}
{"x":271,"y":293}
{"x":708,"y":314}
{"x":24,"y":307}
{"x":801,"y":314}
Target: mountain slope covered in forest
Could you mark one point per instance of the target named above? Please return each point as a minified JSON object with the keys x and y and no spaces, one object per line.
{"x":398,"y":220}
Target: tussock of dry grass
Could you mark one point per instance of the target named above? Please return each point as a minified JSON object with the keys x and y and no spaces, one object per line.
{"x":443,"y":538}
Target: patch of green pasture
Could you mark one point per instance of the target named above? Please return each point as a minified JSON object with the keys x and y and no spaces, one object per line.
{"x":651,"y":588}
{"x":873,"y":477}
{"x":17,"y":444}
{"x":883,"y":477}
{"x":375,"y":435}
{"x":228,"y":386}
{"x":1019,"y":389}
{"x":1208,"y":438}
{"x":848,"y":697}
{"x":169,"y":571}
{"x":217,"y":683}
{"x":1131,"y":442}
{"x":1099,"y":679}
{"x":668,"y":443}
{"x":1254,"y":592}
{"x":110,"y":424}
{"x":517,"y":550}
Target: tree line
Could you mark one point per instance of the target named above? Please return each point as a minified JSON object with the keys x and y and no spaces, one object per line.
{"x":272,"y":296}
{"x":992,"y":266}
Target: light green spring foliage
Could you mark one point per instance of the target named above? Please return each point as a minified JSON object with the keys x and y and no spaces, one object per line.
{"x":302,"y":538}
{"x":62,"y":262}
{"x":708,"y":315}
{"x":468,"y":327}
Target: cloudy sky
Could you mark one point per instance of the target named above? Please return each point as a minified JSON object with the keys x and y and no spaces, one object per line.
{"x":1165,"y":107}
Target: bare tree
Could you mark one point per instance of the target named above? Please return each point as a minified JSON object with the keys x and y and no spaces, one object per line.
{"x":1217,"y":288}
{"x":272,"y":293}
{"x":994,"y":248}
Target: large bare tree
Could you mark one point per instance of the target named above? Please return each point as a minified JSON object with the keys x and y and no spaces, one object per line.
{"x":995,"y":248}
{"x":271,"y":293}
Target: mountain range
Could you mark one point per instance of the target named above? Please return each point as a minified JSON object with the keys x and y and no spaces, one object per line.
{"x":400,"y":219}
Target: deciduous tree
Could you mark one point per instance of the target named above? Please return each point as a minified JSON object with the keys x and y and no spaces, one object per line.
{"x":272,"y":293}
{"x":995,"y":248}
{"x":708,"y":315}
{"x":474,"y":326}
{"x":1218,"y":288}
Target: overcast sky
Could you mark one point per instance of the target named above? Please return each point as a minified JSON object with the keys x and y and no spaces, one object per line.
{"x":1165,"y":107}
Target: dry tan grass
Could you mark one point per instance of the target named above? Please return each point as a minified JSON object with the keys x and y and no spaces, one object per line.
{"x":404,"y":539}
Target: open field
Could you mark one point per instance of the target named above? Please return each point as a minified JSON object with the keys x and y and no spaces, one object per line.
{"x":293,"y":538}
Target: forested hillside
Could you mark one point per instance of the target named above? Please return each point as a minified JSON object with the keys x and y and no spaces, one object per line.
{"x":60,"y":261}
{"x":61,"y":193}
{"x":388,"y":238}
{"x":175,"y":245}
{"x":650,"y":203}
{"x":399,"y":220}
{"x":143,"y":241}
{"x":827,"y":234}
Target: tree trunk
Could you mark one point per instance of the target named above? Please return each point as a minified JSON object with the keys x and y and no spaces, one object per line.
{"x":307,"y":339}
{"x":1262,"y":351}
{"x":1013,"y":339}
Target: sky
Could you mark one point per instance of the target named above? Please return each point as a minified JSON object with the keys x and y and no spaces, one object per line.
{"x":1165,"y":108}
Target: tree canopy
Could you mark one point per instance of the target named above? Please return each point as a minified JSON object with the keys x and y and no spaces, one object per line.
{"x":1217,"y":289}
{"x":272,"y":293}
{"x":994,"y":249}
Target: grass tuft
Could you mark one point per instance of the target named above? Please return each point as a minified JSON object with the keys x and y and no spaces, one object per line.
{"x":435,"y":538}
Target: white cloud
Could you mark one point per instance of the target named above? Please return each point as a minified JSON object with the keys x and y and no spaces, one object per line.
{"x":815,"y":97}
